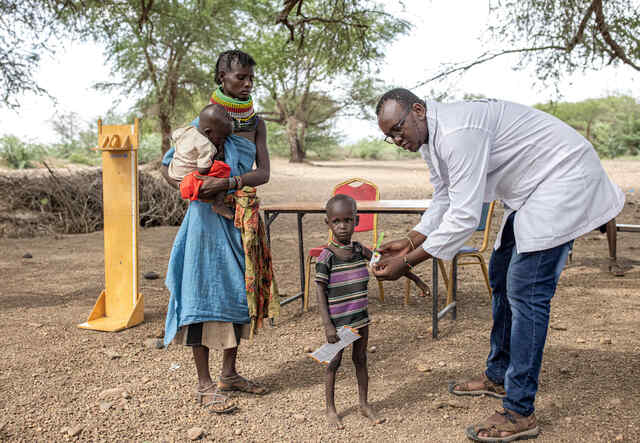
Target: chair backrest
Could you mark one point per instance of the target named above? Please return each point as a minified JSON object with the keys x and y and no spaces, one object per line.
{"x":361,"y":189}
{"x":485,"y":223}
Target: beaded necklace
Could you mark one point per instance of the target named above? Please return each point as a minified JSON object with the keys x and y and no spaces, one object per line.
{"x":244,"y":117}
{"x":339,"y":246}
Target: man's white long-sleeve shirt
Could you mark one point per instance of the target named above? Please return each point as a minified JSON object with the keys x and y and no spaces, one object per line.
{"x":537,"y":165}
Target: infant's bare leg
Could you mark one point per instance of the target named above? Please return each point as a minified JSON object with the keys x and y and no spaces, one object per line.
{"x":424,"y":289}
{"x":220,"y":208}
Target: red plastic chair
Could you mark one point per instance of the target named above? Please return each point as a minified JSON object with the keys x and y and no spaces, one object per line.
{"x":359,"y":189}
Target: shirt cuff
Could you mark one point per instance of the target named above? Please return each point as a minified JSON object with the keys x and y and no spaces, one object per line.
{"x":424,"y":230}
{"x":437,"y":252}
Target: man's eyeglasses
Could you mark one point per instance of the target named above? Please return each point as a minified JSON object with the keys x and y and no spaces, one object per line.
{"x":397,"y":129}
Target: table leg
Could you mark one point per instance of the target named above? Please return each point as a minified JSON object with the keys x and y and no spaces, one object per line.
{"x":268,"y":219}
{"x":454,"y":282}
{"x":301,"y":255}
{"x":434,"y":293}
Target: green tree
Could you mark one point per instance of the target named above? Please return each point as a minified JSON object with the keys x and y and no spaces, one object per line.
{"x":611,"y":124}
{"x":18,"y":154}
{"x":163,"y":51}
{"x":295,"y":68}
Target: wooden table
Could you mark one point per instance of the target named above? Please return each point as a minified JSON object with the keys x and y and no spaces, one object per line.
{"x":301,"y":208}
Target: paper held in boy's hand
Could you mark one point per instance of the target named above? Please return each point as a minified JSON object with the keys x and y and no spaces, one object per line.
{"x":328,"y":351}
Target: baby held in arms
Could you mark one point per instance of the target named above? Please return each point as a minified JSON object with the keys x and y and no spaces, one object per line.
{"x":200,"y":151}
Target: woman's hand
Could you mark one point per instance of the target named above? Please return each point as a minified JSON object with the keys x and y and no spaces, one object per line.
{"x":211,"y":186}
{"x":164,"y":170}
{"x":395,"y":248}
{"x":391,"y":268}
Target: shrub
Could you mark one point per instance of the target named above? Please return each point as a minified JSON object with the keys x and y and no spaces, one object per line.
{"x":150,"y":148}
{"x":17,"y":154}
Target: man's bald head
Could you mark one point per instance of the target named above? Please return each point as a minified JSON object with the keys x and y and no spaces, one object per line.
{"x":215,"y":123}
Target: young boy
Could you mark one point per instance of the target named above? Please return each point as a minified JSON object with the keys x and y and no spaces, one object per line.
{"x":201,"y":151}
{"x":342,"y":278}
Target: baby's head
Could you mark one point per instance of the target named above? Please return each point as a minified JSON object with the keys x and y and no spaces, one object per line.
{"x":215,"y":123}
{"x":341,"y":217}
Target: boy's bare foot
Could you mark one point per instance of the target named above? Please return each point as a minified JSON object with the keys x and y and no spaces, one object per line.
{"x":223,"y":210}
{"x":334,"y":420}
{"x":368,"y":412}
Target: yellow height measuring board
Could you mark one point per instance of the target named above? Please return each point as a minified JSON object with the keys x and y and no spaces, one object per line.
{"x":120,"y":305}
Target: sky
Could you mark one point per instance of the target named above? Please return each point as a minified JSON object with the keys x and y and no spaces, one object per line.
{"x":444,"y":31}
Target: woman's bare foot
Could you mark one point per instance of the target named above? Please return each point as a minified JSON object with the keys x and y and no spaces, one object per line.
{"x":334,"y":420}
{"x":367,"y":411}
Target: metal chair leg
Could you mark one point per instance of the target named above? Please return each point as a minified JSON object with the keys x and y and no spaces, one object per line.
{"x":443,"y":271}
{"x":485,"y":271}
{"x":381,"y":291}
{"x":307,"y":283}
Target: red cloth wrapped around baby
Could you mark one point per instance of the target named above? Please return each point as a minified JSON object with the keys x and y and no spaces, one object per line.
{"x":190,"y":184}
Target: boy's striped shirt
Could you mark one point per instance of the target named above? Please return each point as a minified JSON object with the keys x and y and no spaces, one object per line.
{"x":347,"y":282}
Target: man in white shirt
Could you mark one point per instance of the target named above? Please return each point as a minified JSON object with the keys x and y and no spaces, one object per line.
{"x":554,"y":189}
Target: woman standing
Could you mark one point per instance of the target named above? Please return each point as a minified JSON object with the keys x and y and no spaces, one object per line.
{"x":220,"y":275}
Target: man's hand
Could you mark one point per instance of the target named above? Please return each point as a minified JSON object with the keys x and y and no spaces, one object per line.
{"x":211,"y":186}
{"x":330,"y":332}
{"x":395,"y":248}
{"x":391,"y":268}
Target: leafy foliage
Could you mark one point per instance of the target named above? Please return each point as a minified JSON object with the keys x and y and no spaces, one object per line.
{"x":75,"y":139}
{"x":342,"y":49}
{"x":18,"y":154}
{"x":565,"y":35}
{"x":611,"y":124}
{"x":162,"y":51}
{"x":75,"y":144}
{"x":321,"y":143}
{"x":150,"y":148}
{"x":26,"y":31}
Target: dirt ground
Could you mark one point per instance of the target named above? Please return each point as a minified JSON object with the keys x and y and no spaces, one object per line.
{"x":57,"y":380}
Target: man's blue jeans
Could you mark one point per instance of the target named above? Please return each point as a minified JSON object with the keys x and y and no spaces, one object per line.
{"x":522,"y":285}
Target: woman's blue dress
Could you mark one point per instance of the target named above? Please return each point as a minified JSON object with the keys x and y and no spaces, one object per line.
{"x":206,"y":269}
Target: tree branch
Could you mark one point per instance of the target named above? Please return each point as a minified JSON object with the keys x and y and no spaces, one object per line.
{"x":583,"y":24}
{"x":618,"y":52}
{"x":483,"y":59}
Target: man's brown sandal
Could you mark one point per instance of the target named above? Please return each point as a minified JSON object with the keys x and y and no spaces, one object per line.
{"x":220,"y":404}
{"x":504,"y":427}
{"x":488,"y":388}
{"x":241,"y":384}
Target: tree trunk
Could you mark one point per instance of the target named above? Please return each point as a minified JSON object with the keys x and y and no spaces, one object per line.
{"x":296,"y":143}
{"x":165,"y":130}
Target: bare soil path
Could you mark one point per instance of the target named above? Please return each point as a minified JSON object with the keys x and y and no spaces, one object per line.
{"x":57,"y":380}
